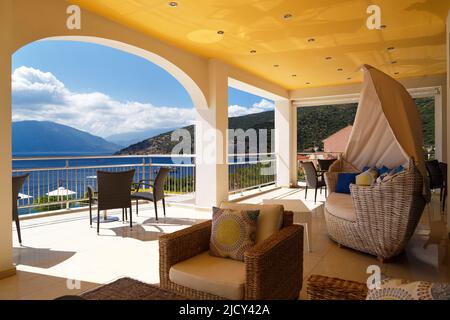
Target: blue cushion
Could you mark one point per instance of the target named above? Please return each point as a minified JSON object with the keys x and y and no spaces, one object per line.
{"x":344,"y":181}
{"x":383,"y":170}
{"x":397,"y":170}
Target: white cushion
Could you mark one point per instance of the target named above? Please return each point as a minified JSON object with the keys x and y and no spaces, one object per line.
{"x":341,"y":206}
{"x":270,"y":219}
{"x":218,"y":276}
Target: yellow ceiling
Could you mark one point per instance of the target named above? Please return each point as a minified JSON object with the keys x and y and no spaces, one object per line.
{"x":415,"y":28}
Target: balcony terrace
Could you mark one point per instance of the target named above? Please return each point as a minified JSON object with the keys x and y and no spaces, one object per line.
{"x":61,"y":248}
{"x":295,"y":53}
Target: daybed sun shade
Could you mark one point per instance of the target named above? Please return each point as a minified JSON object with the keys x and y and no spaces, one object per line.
{"x":387,"y":129}
{"x":381,"y":218}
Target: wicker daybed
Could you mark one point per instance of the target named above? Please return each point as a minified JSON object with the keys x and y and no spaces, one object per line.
{"x":381,"y":218}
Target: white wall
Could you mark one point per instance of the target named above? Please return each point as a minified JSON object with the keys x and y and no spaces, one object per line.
{"x":6,"y":264}
{"x":286,"y":143}
{"x":211,"y":141}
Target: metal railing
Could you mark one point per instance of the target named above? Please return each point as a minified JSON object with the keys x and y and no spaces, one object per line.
{"x":57,"y":183}
{"x":251,"y":171}
{"x":61,"y":182}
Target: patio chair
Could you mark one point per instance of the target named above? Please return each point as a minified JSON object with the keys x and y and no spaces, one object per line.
{"x":325,"y":164}
{"x":113,"y":193}
{"x":17,"y":183}
{"x":157,"y":193}
{"x":271,"y":270}
{"x":444,"y":171}
{"x":380,"y":219}
{"x":313,"y":180}
{"x":436,"y":176}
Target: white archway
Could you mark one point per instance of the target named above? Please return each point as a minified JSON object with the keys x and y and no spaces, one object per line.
{"x":191,"y":87}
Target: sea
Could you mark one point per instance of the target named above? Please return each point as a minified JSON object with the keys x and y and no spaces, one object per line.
{"x":48,"y":172}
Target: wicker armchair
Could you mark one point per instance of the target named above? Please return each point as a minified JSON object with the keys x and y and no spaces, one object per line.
{"x":387,"y":213}
{"x":273,"y":267}
{"x":326,"y":288}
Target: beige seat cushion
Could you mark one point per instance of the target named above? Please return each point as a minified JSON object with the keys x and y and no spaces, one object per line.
{"x":218,"y":276}
{"x":341,"y":205}
{"x":270,"y":218}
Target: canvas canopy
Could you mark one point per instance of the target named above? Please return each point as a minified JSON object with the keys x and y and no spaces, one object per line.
{"x":388,"y":128}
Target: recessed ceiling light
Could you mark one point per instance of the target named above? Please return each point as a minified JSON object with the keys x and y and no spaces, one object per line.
{"x":276,"y":65}
{"x":349,"y":78}
{"x":397,"y":73}
{"x":311,"y":40}
{"x":252,"y":51}
{"x":340,"y":69}
{"x":391,"y":49}
{"x":294,"y":75}
{"x":328,"y":58}
{"x":383,"y":26}
{"x":173,"y":4}
{"x":393,"y":62}
{"x":287,"y":16}
{"x":220,"y":32}
{"x":308,"y":83}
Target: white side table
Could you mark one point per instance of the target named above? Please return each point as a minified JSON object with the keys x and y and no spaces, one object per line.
{"x":302,"y":215}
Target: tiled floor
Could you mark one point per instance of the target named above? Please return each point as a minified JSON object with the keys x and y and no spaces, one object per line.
{"x":60,"y":248}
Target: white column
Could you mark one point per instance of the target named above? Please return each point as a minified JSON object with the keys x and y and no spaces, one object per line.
{"x":6,"y":263}
{"x":286,"y":143}
{"x":211,"y":141}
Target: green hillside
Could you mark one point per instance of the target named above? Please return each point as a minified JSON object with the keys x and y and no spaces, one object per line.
{"x":314,"y":125}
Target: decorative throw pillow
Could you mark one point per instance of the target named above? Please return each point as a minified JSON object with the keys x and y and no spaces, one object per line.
{"x":383,"y":170}
{"x":396,"y":289}
{"x":399,"y":169}
{"x":233,"y":232}
{"x":344,"y":182}
{"x":367,"y":178}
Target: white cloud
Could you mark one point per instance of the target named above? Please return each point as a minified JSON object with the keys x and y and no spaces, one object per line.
{"x":262,"y":106}
{"x":41,"y":96}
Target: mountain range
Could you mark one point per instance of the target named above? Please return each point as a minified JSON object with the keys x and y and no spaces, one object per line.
{"x":48,"y":138}
{"x":314,"y":125}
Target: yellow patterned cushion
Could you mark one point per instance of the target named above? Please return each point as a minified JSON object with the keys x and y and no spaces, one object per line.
{"x":367,"y":178}
{"x":233,"y":232}
{"x":396,"y":289}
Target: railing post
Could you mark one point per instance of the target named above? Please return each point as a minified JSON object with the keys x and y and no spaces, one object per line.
{"x":67,"y":185}
{"x":143,"y":168}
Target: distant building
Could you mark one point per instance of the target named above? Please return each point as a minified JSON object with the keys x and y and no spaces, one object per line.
{"x":337,"y":142}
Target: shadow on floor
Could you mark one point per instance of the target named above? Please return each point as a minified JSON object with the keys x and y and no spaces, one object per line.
{"x":40,"y":258}
{"x":139,"y":231}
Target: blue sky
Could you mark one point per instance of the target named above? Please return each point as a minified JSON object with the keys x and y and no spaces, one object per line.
{"x":94,"y":88}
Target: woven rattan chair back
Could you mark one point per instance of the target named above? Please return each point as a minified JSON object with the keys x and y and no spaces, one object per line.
{"x":114,"y":189}
{"x":160,"y":181}
{"x":435,"y":173}
{"x":325,"y":164}
{"x":17,"y":183}
{"x":311,"y":174}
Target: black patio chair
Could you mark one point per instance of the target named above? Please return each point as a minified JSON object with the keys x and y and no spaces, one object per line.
{"x":444,"y":171}
{"x":325,"y":164}
{"x":113,"y":193}
{"x":436,"y":176}
{"x":17,"y":184}
{"x":313,"y":180}
{"x":157,"y":193}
